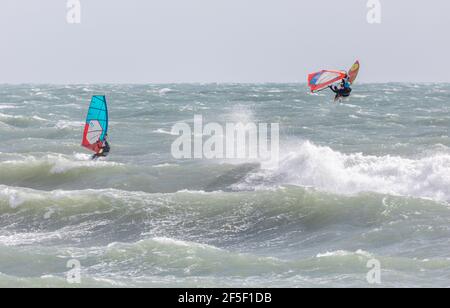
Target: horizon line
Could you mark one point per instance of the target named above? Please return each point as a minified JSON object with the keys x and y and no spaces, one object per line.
{"x":209,"y":83}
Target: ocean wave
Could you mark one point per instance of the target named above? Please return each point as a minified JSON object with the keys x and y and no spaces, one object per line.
{"x":63,"y":124}
{"x":165,"y":132}
{"x":154,"y":261}
{"x":323,"y":168}
{"x":278,"y":219}
{"x":51,"y":164}
{"x":52,"y":171}
{"x":165,"y":91}
{"x":20,"y":121}
{"x":165,"y":165}
{"x":6,"y":106}
{"x":162,"y":91}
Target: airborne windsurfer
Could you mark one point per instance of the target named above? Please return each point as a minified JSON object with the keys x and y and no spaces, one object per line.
{"x":327,"y":78}
{"x":343,"y":90}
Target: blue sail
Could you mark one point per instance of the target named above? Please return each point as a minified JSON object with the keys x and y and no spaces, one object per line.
{"x":96,"y":127}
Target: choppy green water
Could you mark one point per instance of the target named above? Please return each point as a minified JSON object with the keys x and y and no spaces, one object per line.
{"x":368,"y":178}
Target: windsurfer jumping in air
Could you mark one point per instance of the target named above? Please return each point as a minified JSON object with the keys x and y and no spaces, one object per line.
{"x":324,"y":79}
{"x":344,"y":89}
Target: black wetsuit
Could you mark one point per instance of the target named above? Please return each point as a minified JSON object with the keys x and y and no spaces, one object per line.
{"x":106,"y":148}
{"x":341,"y":92}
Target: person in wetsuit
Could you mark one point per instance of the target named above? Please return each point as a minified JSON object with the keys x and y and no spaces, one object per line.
{"x":104,"y":149}
{"x":343,"y":90}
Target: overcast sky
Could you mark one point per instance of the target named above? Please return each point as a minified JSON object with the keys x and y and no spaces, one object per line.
{"x":153,"y":41}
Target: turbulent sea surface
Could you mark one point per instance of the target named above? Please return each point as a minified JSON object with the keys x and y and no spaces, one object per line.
{"x":368,"y":178}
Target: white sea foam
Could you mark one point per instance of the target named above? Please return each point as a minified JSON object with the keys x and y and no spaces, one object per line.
{"x":35,"y":117}
{"x":8,"y":116}
{"x":161,"y":92}
{"x":325,"y":169}
{"x":165,"y":165}
{"x":175,"y":242}
{"x":16,"y":197}
{"x":343,"y":253}
{"x":163,"y":131}
{"x":165,"y":91}
{"x":4,"y":116}
{"x":62,"y":124}
{"x":28,"y":238}
{"x":60,"y":163}
{"x":8,"y":107}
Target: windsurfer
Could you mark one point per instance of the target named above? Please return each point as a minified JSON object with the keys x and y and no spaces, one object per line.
{"x":343,"y":90}
{"x":103,"y":149}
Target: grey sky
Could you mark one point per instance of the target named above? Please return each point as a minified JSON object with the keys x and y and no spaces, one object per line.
{"x":138,"y":41}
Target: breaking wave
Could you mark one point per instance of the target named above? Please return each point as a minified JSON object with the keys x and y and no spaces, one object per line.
{"x":323,"y":168}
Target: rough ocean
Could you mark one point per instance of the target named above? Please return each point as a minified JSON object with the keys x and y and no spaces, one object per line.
{"x":365,"y":179}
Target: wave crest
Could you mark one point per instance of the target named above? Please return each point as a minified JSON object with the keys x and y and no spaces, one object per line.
{"x":323,"y":168}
